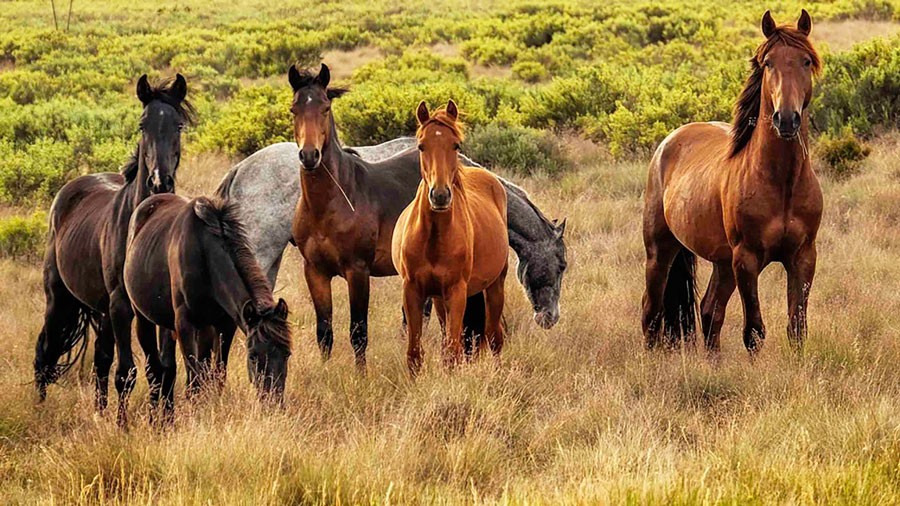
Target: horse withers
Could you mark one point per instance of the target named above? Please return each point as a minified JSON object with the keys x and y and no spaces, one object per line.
{"x":190,"y":269}
{"x":451,"y":242}
{"x":740,"y":196}
{"x":86,"y":248}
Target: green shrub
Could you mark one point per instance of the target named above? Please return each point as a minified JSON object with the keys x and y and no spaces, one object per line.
{"x":251,"y":120}
{"x":524,"y":151}
{"x":36,"y":173}
{"x":23,"y":237}
{"x":529,"y":71}
{"x":860,"y":89}
{"x":842,"y":154}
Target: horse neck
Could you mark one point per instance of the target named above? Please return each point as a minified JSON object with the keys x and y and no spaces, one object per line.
{"x":779,"y":161}
{"x":318,"y":188}
{"x":526,"y":227}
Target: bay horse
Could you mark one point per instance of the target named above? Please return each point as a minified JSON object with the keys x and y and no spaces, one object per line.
{"x":190,"y":269}
{"x":451,"y":242}
{"x":740,"y":196}
{"x":86,"y":247}
{"x":346,"y":212}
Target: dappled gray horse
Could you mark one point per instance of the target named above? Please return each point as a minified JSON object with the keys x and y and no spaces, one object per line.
{"x":267,"y":185}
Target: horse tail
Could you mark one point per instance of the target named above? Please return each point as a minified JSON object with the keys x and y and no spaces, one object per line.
{"x":65,"y":329}
{"x":224,"y":189}
{"x":680,"y":300}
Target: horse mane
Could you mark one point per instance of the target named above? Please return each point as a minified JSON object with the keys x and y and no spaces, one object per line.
{"x":747,"y":106}
{"x":222,"y":219}
{"x":130,"y":169}
{"x":442,"y":118}
{"x":521,"y":193}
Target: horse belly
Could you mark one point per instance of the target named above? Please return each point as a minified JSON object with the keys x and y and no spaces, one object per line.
{"x":79,"y":262}
{"x":694,"y":217}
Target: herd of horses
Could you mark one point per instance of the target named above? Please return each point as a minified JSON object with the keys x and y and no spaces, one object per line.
{"x":123,"y":248}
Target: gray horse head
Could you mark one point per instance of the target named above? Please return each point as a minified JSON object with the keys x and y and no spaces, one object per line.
{"x":541,"y":267}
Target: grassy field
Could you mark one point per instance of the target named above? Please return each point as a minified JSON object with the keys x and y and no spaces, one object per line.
{"x":580,"y":414}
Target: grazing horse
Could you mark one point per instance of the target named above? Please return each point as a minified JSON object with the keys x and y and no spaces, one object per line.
{"x":451,"y":242}
{"x":86,"y":249}
{"x":740,"y":197}
{"x":190,"y":269}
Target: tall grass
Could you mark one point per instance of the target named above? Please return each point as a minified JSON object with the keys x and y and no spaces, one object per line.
{"x":575,"y":415}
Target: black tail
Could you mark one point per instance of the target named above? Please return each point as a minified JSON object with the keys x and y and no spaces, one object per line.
{"x":680,"y":300}
{"x":66,"y":335}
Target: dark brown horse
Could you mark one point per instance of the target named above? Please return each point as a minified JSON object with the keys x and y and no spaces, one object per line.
{"x":347,"y":210}
{"x":189,"y":268}
{"x":741,"y":196}
{"x":86,"y":250}
{"x":451,"y":242}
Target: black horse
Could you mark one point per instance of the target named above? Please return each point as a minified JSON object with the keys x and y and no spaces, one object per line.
{"x":189,"y":268}
{"x":86,"y":248}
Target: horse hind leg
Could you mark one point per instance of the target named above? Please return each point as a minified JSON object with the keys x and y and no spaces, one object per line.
{"x":494,"y":298}
{"x":669,"y":301}
{"x":715,"y":301}
{"x":66,"y":322}
{"x":474,"y":324}
{"x":146,"y":333}
{"x":121,"y":314}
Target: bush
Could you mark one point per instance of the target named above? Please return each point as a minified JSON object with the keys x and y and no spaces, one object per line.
{"x":23,"y":237}
{"x":524,"y":151}
{"x":842,"y":154}
{"x":860,"y":89}
{"x":253,"y":119}
{"x":529,"y":71}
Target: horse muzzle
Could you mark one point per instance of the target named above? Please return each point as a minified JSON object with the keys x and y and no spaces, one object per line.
{"x":161,"y":184}
{"x":787,"y":125}
{"x":546,"y":318}
{"x":440,"y":199}
{"x":310,"y":159}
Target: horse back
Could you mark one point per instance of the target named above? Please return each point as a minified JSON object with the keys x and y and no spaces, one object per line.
{"x":77,"y":218}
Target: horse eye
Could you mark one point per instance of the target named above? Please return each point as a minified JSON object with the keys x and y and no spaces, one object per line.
{"x":180,"y":127}
{"x":420,"y":147}
{"x":768,"y":64}
{"x":456,"y":146}
{"x":326,"y":111}
{"x":807,"y":62}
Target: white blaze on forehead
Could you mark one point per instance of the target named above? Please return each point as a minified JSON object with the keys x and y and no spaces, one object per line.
{"x":437,"y":132}
{"x":308,"y":99}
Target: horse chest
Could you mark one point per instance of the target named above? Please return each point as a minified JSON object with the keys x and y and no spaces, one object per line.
{"x":334,"y":244}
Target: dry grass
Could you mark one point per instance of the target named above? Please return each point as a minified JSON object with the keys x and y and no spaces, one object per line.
{"x":579,"y":414}
{"x":842,"y":35}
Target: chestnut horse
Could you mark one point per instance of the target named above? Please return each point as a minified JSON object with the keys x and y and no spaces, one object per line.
{"x":86,"y":249}
{"x":190,"y":269}
{"x":740,"y":197}
{"x":451,"y":242}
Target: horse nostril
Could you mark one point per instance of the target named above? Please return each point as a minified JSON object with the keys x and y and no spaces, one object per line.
{"x":316,"y":155}
{"x":150,"y":182}
{"x":776,"y":118}
{"x":796,"y":120}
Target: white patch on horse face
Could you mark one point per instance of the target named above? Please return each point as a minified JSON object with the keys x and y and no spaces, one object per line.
{"x":162,"y":113}
{"x":437,"y":132}
{"x":308,"y":99}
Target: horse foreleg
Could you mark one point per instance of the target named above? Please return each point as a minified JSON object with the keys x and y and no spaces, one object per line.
{"x":494,"y":297}
{"x":121,"y":314}
{"x":455,"y":303}
{"x":187,"y":337}
{"x":226,"y":333}
{"x":412,"y":307}
{"x":800,"y":272}
{"x":712,"y":308}
{"x":104,"y":348}
{"x":358,"y":287}
{"x":320,"y":290}
{"x":747,"y":266}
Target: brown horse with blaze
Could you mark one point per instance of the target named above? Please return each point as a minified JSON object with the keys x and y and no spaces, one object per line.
{"x":451,"y":242}
{"x":741,"y":196}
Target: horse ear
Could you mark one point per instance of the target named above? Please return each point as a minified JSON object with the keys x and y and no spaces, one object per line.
{"x":144,"y":91}
{"x":179,"y":88}
{"x":324,"y":76}
{"x":281,"y":309}
{"x":804,"y":24}
{"x":294,"y":77}
{"x":768,"y":24}
{"x":249,"y":314}
{"x":333,"y":93}
{"x":561,"y":228}
{"x":452,"y":110}
{"x":422,"y":114}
